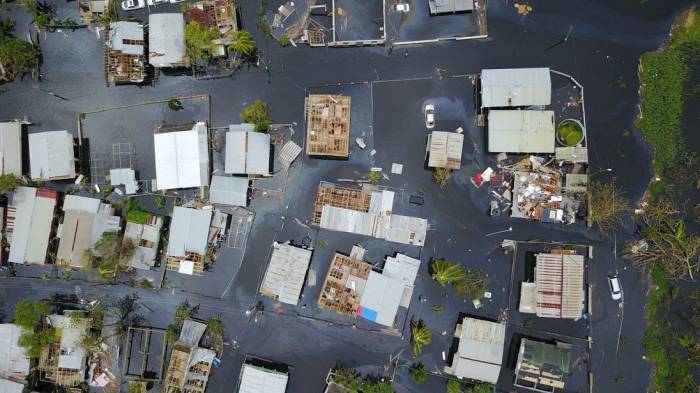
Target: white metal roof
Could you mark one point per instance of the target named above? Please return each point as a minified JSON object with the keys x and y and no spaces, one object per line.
{"x":123,"y":30}
{"x":284,"y":278}
{"x":480,"y":350}
{"x":166,"y":40}
{"x":7,"y":386}
{"x":516,"y":131}
{"x":51,"y":155}
{"x":182,"y":158}
{"x":405,"y":269}
{"x":445,"y":150}
{"x":125,"y":176}
{"x":229,"y":190}
{"x":32,"y":226}
{"x":528,"y":298}
{"x":81,"y":203}
{"x":407,"y":230}
{"x":247,"y":152}
{"x":11,"y":148}
{"x":559,"y":281}
{"x":260,"y":380}
{"x":515,"y":87}
{"x":382,"y":294}
{"x":188,"y":231}
{"x":14,"y":362}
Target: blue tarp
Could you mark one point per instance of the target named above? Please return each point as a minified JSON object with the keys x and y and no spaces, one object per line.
{"x":368,"y":313}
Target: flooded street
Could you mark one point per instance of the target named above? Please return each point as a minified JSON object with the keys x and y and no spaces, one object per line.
{"x":389,"y":88}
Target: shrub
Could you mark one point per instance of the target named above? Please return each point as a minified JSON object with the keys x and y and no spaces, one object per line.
{"x":418,"y":373}
{"x":284,"y":40}
{"x":421,"y":336}
{"x":374,"y":177}
{"x":257,"y":113}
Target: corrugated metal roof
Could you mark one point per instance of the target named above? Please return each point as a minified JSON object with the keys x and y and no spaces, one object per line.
{"x":571,"y":154}
{"x":450,"y":6}
{"x":14,"y":362}
{"x":23,"y":200}
{"x":382,"y":294}
{"x":260,"y":380}
{"x":192,"y":332}
{"x":405,"y":269}
{"x":480,"y":350}
{"x":42,"y":223}
{"x":144,"y":257}
{"x":81,"y":203}
{"x":445,"y":150}
{"x":516,"y":131}
{"x":515,"y":87}
{"x":10,"y":386}
{"x":182,"y":158}
{"x":123,"y":30}
{"x":528,"y":298}
{"x":51,"y":155}
{"x":559,"y":280}
{"x":289,"y":152}
{"x":347,"y":220}
{"x":407,"y":230}
{"x":125,"y":176}
{"x":284,"y":278}
{"x":166,"y":40}
{"x":188,"y":231}
{"x":247,"y":152}
{"x":76,"y":232}
{"x":229,"y":190}
{"x":11,"y":148}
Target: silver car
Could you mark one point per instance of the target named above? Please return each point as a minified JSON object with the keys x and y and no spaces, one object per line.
{"x":615,"y":288}
{"x":429,"y":111}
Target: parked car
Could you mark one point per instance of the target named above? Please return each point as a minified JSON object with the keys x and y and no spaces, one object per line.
{"x":615,"y":288}
{"x":402,"y":7}
{"x":429,"y":111}
{"x":176,"y":1}
{"x":156,"y":2}
{"x":130,"y":5}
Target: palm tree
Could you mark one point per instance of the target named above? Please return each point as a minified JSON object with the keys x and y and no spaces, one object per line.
{"x":421,"y":336}
{"x":242,"y":42}
{"x":472,"y":285}
{"x":418,"y":373}
{"x":446,"y":272}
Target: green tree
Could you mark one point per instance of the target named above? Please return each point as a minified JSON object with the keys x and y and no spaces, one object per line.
{"x":17,"y":57}
{"x":242,"y":42}
{"x":199,"y":41}
{"x":442,"y":176}
{"x":421,"y":336}
{"x":446,"y":272}
{"x":183,"y":311}
{"x":418,"y":373}
{"x":257,"y":113}
{"x":480,"y":388}
{"x":8,"y":182}
{"x":284,"y":40}
{"x":28,"y":313}
{"x":34,"y":342}
{"x":374,"y":177}
{"x":454,"y":386}
{"x":472,"y":285}
{"x":7,"y":25}
{"x":111,"y":253}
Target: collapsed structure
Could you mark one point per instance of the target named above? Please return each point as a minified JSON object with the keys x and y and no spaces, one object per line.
{"x":63,"y":362}
{"x":30,"y":218}
{"x":542,"y":367}
{"x":352,"y":288}
{"x":328,"y":125}
{"x":125,"y":53}
{"x":219,"y":14}
{"x":480,"y":352}
{"x":85,"y":220}
{"x":190,"y":365}
{"x":366,"y":212}
{"x":146,"y":237}
{"x":181,"y":156}
{"x":14,"y":362}
{"x":558,"y":290}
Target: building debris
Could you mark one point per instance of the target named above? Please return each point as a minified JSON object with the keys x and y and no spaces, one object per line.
{"x":328,"y":125}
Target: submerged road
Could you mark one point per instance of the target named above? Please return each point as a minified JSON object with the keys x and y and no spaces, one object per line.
{"x":601,"y":53}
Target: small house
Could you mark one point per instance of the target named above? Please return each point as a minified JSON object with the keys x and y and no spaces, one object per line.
{"x":64,"y":362}
{"x":445,"y":150}
{"x":229,"y":190}
{"x":542,"y":367}
{"x":14,"y":361}
{"x":125,"y":54}
{"x":515,"y":87}
{"x":166,"y":40}
{"x":146,"y":237}
{"x":190,"y":365}
{"x":256,"y":377}
{"x":52,"y":156}
{"x":286,"y":272}
{"x":188,"y":240}
{"x":479,"y":354}
{"x":247,"y":151}
{"x":521,"y":131}
{"x":11,"y":148}
{"x":558,"y":290}
{"x":182,"y":156}
{"x":30,"y":218}
{"x":438,"y":7}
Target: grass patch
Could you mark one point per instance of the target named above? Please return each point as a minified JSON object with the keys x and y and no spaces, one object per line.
{"x":663,"y":76}
{"x":134,"y":212}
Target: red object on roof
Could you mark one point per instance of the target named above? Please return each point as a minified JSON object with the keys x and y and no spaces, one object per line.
{"x":46,"y":193}
{"x":478,"y":179}
{"x":199,"y":16}
{"x":359,"y":310}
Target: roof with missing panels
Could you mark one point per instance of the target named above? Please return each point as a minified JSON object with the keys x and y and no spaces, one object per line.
{"x":51,"y":155}
{"x":11,"y":148}
{"x":166,"y":40}
{"x":14,"y":362}
{"x":515,"y":131}
{"x":126,"y":37}
{"x":515,"y":87}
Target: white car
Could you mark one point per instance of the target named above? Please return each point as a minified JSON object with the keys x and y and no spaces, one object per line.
{"x":429,"y":111}
{"x":155,"y":2}
{"x":176,"y":1}
{"x":402,"y":7}
{"x":615,"y":288}
{"x":130,"y":5}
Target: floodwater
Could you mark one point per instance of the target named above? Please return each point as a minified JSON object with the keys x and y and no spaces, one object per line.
{"x":601,"y":53}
